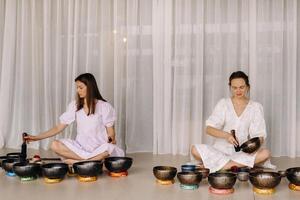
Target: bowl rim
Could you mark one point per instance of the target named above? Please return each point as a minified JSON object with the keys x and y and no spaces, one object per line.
{"x":254,"y":174}
{"x":80,"y":163}
{"x":112,"y":158}
{"x":214,"y":174}
{"x":55,"y":164}
{"x":164,"y":168}
{"x":189,"y":173}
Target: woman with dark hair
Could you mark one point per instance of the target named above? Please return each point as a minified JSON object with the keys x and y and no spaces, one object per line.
{"x":95,"y":119}
{"x":237,"y":113}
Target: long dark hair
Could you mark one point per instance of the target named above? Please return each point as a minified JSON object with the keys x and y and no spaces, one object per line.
{"x":239,"y":74}
{"x":92,"y":93}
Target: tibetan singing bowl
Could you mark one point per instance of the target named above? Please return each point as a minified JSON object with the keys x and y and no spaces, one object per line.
{"x":222,"y":180}
{"x":204,"y":172}
{"x":188,"y":168}
{"x":55,"y":170}
{"x":243,"y":176}
{"x":118,"y":164}
{"x":24,"y":169}
{"x":189,"y":178}
{"x":164,"y":173}
{"x":251,"y":145}
{"x":88,"y":168}
{"x":1,"y":159}
{"x":265,"y":180}
{"x":293,"y":175}
{"x":13,"y":155}
{"x":7,"y":164}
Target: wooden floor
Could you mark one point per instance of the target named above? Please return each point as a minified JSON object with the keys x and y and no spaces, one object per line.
{"x":139,"y":184}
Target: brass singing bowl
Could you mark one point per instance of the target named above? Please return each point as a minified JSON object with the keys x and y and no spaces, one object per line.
{"x":222,"y":180}
{"x":189,"y":178}
{"x":25,"y":169}
{"x":293,"y":175}
{"x":251,"y":145}
{"x":265,"y":180}
{"x":164,"y":173}
{"x":88,"y":168}
{"x":204,"y":172}
{"x":118,"y":164}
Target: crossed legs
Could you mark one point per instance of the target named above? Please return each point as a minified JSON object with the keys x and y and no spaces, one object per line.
{"x":71,"y":157}
{"x":261,"y":156}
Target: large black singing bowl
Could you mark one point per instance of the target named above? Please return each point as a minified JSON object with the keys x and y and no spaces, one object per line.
{"x":55,"y":170}
{"x":222,"y":180}
{"x":293,"y":175}
{"x":88,"y":168}
{"x":118,"y":164}
{"x":265,"y":180}
{"x":7,"y":164}
{"x":24,"y":169}
{"x":189,"y":178}
{"x":164,"y":173}
{"x":251,"y":145}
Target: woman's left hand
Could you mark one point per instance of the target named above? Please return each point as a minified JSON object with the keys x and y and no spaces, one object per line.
{"x":111,"y":135}
{"x":112,"y":140}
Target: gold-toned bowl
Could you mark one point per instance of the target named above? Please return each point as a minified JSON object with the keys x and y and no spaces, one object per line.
{"x":204,"y":172}
{"x":164,"y":173}
{"x":222,"y":180}
{"x":265,"y":180}
{"x":189,"y":178}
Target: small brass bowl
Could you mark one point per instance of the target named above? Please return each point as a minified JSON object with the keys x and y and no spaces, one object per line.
{"x":204,"y":172}
{"x":222,"y":180}
{"x":164,"y":173}
{"x":189,"y":178}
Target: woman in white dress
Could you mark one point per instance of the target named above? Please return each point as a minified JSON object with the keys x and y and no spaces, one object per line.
{"x":95,"y":119}
{"x":237,"y":113}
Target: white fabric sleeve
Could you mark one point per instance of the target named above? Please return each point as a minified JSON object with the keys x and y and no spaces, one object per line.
{"x":69,"y":116}
{"x":257,"y":125}
{"x":108,"y":114}
{"x":217,"y":118}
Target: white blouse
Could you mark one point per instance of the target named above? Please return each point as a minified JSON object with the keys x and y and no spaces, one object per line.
{"x":249,"y":124}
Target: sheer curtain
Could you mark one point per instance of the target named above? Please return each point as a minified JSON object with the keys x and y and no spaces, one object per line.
{"x":45,"y":45}
{"x":163,"y":64}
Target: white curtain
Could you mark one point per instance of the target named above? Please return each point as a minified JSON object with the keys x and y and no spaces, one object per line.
{"x":163,"y":64}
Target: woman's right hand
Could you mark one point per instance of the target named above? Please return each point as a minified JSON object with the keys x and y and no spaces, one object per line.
{"x":231,"y":140}
{"x":31,"y":138}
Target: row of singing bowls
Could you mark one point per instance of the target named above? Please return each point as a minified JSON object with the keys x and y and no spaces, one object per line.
{"x":265,"y":180}
{"x":251,"y":145}
{"x":189,"y":178}
{"x":88,"y":168}
{"x":222,"y":180}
